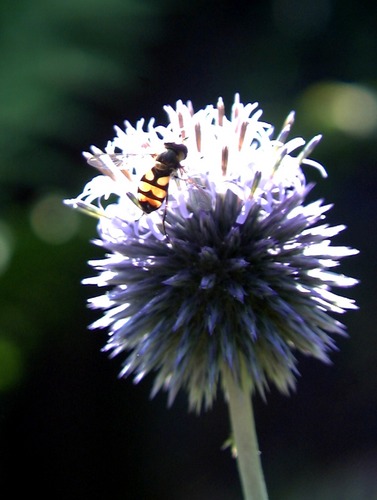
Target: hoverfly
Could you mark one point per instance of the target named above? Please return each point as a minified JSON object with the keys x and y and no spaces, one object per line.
{"x":153,"y":186}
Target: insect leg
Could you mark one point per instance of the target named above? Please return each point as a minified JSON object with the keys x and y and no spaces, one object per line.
{"x":164,"y":217}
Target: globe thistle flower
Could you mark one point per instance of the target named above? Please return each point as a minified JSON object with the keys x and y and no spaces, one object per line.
{"x":235,"y":270}
{"x":216,"y":264}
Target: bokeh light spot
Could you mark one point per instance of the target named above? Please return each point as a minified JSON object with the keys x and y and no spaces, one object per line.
{"x":348,"y":108}
{"x":52,"y":222}
{"x":10,"y":365}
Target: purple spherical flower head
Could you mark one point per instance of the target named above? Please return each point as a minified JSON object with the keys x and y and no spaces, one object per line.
{"x":234,"y":270}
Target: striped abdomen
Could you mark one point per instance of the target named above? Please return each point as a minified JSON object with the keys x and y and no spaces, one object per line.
{"x":153,"y":187}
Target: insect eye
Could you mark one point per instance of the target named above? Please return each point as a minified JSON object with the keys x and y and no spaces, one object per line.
{"x":179,"y":149}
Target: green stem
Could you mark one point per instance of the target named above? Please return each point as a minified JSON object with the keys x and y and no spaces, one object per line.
{"x":238,"y":397}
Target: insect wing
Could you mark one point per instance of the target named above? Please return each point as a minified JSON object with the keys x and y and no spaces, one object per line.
{"x":128,"y":164}
{"x":97,"y":162}
{"x":104,"y":163}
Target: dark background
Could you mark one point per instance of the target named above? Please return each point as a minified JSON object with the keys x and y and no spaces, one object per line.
{"x":69,"y":71}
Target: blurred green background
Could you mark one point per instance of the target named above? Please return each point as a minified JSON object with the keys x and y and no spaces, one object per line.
{"x":70,"y":70}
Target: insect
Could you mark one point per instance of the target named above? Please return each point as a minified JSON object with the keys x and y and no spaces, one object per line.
{"x":153,"y":186}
